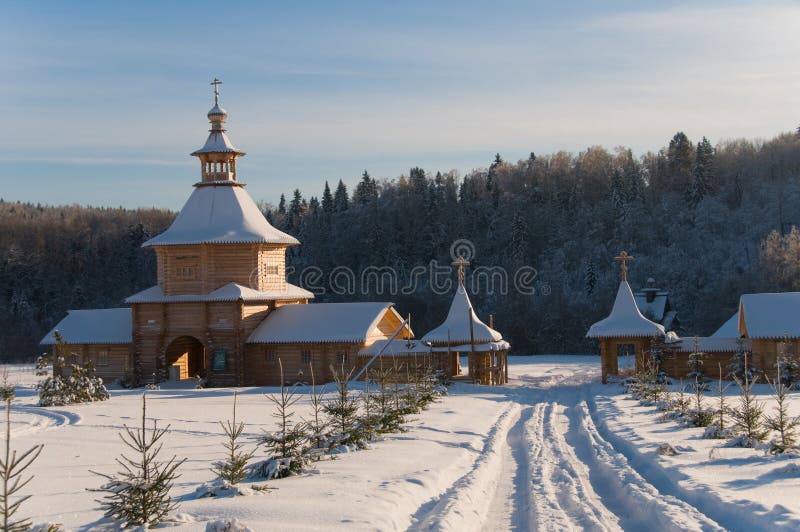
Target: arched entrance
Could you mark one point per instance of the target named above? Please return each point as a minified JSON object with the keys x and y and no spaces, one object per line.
{"x":185,"y":356}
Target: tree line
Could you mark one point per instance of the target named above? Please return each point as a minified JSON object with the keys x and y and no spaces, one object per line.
{"x":708,"y":222}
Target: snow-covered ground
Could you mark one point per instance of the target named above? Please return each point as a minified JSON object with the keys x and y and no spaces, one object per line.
{"x":553,"y":450}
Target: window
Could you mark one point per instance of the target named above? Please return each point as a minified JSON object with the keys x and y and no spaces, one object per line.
{"x":102,"y":358}
{"x":341,"y":358}
{"x":269,"y":357}
{"x":271,"y":269}
{"x":626,"y":350}
{"x":186,"y":272}
{"x":305,"y":357}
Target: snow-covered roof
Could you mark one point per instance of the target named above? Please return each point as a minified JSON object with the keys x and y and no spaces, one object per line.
{"x":220,"y":214}
{"x":770,"y":315}
{"x":229,"y":292}
{"x":218,"y":142}
{"x":395,"y":348}
{"x":729,"y":329}
{"x":502,"y":345}
{"x":456,"y":327}
{"x":625,"y":319}
{"x":321,"y":323}
{"x":94,"y":326}
{"x":711,"y":344}
{"x":654,"y":309}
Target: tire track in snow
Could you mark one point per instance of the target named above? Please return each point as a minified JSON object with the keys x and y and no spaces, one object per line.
{"x":466,"y":504}
{"x":563,"y":495}
{"x":637,"y":503}
{"x":43,"y":418}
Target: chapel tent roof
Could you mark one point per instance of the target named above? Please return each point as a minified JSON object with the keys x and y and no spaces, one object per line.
{"x":94,"y":326}
{"x":220,"y":214}
{"x":729,"y":329}
{"x":455,"y":328}
{"x":321,"y":323}
{"x":625,"y":319}
{"x":229,"y":292}
{"x":770,"y":315}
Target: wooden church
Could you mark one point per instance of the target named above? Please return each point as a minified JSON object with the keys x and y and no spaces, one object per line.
{"x":222,"y":308}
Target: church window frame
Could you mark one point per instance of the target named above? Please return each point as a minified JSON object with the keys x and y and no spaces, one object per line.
{"x":342,"y":358}
{"x":306,"y":357}
{"x":269,"y":357}
{"x":102,"y":358}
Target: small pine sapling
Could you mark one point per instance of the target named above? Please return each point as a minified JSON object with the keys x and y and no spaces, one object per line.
{"x":738,"y":365}
{"x":139,"y":493}
{"x":317,"y":425}
{"x":681,"y":403}
{"x":369,"y":420}
{"x":12,"y":469}
{"x":788,"y":365}
{"x":718,"y":428}
{"x":391,"y":418}
{"x":699,"y":416}
{"x":343,"y":413}
{"x":287,"y":446}
{"x":233,"y":469}
{"x":695,"y":363}
{"x":748,"y":415}
{"x":781,"y":422}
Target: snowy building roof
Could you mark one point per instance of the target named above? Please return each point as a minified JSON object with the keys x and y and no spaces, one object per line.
{"x":654,"y":309}
{"x":711,"y":344}
{"x":94,"y":326}
{"x":395,"y":348}
{"x":321,"y":323}
{"x":502,"y":345}
{"x":729,"y":329}
{"x":229,"y":292}
{"x":770,"y":315}
{"x":456,"y":327}
{"x":218,"y":142}
{"x":220,"y":214}
{"x":625,"y":319}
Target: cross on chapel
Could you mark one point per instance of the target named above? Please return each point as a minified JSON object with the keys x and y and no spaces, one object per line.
{"x":216,"y":84}
{"x":460,"y":263}
{"x":623,"y":258}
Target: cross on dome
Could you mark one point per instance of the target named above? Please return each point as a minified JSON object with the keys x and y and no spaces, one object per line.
{"x":216,"y":84}
{"x":623,"y":258}
{"x":460,"y":263}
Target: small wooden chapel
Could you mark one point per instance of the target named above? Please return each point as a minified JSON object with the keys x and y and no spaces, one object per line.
{"x":222,"y":308}
{"x":625,"y":332}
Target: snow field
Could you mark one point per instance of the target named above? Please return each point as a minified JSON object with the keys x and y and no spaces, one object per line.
{"x":554,"y":450}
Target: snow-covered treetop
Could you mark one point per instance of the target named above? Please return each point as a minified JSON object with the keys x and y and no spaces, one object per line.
{"x":625,"y":319}
{"x":455,"y":329}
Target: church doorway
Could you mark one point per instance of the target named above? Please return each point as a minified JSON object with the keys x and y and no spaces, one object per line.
{"x":185,"y":356}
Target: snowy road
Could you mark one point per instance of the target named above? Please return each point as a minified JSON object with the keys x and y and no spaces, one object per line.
{"x":556,"y":472}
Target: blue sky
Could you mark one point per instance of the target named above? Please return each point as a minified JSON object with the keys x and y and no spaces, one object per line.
{"x":103,"y":101}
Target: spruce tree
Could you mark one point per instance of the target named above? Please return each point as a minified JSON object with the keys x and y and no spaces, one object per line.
{"x":139,"y":493}
{"x":719,"y":429}
{"x":327,"y":199}
{"x":343,"y":412}
{"x":748,"y":416}
{"x":781,"y":422}
{"x":233,"y":469}
{"x":341,"y":201}
{"x":695,"y":363}
{"x":788,"y":364}
{"x":12,"y":471}
{"x":286,"y":446}
{"x":317,"y":424}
